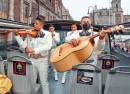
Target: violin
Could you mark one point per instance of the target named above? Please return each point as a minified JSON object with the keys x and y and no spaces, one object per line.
{"x":22,"y":32}
{"x":32,"y":33}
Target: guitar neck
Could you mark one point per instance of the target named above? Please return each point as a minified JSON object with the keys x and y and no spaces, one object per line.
{"x":112,"y":29}
{"x":94,"y":36}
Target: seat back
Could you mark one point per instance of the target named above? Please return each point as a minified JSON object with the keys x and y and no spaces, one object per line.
{"x":14,"y":51}
{"x":106,"y":62}
{"x":22,"y":74}
{"x":85,"y":79}
{"x":118,"y":81}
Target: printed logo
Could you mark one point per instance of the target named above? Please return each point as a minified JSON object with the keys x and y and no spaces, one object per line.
{"x":107,"y":64}
{"x":84,"y":79}
{"x":19,"y":67}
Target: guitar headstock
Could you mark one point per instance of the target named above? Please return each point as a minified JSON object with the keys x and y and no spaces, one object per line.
{"x":117,"y":29}
{"x":111,"y":30}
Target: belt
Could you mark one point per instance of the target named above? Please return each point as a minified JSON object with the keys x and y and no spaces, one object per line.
{"x":36,"y":56}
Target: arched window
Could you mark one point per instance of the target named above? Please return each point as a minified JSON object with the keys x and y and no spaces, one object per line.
{"x":116,"y":7}
{"x":26,"y":11}
{"x":4,"y":6}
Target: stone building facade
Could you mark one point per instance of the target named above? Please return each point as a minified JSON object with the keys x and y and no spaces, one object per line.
{"x":65,"y":14}
{"x":26,"y":10}
{"x":111,"y":16}
{"x":126,"y":18}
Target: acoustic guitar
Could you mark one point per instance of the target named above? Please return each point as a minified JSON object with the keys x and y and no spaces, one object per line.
{"x":5,"y":84}
{"x":65,"y":56}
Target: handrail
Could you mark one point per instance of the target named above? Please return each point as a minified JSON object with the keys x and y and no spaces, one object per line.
{"x":26,"y":59}
{"x":116,"y":70}
{"x":89,"y":70}
{"x":108,"y":55}
{"x":15,"y":48}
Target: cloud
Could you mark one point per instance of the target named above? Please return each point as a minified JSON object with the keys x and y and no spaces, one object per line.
{"x":79,"y":8}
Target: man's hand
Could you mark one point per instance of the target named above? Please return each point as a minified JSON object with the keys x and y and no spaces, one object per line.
{"x":36,"y":56}
{"x":75,"y":42}
{"x":102,"y":34}
{"x":29,"y":50}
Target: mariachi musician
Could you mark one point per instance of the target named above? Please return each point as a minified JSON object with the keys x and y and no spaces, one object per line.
{"x":37,"y":47}
{"x":85,"y":23}
{"x":74,"y":34}
{"x":55,"y":41}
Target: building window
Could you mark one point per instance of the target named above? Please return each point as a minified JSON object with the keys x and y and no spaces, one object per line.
{"x":16,"y":10}
{"x":100,"y":13}
{"x":34,"y":13}
{"x":26,"y":11}
{"x":3,"y":8}
{"x":108,"y":13}
{"x":116,"y":7}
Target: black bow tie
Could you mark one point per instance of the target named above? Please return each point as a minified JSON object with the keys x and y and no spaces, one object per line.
{"x":85,"y":33}
{"x":41,"y":34}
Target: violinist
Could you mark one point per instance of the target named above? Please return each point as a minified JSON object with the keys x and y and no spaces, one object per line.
{"x":38,"y":49}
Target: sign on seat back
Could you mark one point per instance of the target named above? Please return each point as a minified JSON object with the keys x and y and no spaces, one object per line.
{"x":22,"y":74}
{"x":15,"y":51}
{"x":85,"y":79}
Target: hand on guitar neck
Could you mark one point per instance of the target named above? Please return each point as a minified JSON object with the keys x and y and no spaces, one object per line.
{"x":102,"y":34}
{"x":76,"y":42}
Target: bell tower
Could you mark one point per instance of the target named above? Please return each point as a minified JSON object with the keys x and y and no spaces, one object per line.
{"x":117,"y":11}
{"x":116,"y":5}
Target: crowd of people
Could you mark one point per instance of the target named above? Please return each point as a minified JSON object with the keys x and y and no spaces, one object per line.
{"x":123,"y":47}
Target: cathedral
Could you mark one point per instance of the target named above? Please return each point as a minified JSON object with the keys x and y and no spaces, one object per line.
{"x":113,"y":15}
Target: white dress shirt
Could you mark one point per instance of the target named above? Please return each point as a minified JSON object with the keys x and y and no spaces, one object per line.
{"x":72,"y":35}
{"x":55,"y":39}
{"x":40,"y":44}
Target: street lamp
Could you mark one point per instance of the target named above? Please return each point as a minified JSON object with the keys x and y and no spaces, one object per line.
{"x":38,"y":2}
{"x":109,"y":12}
{"x":92,"y":13}
{"x":109,"y":38}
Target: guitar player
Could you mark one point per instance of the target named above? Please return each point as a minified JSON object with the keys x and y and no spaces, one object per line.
{"x":87,"y":30}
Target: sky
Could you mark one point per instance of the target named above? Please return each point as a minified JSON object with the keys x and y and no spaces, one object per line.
{"x":79,"y":8}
